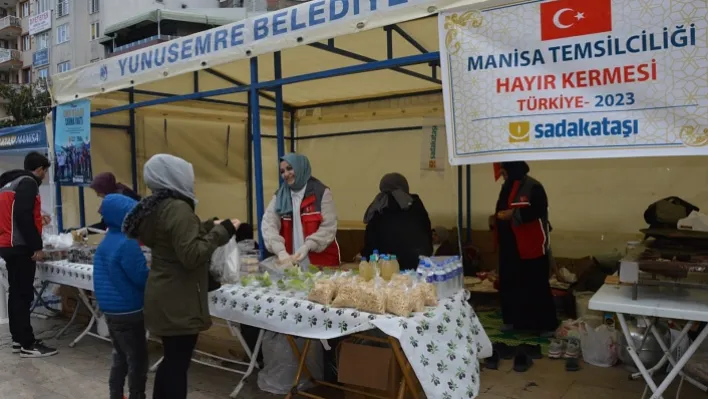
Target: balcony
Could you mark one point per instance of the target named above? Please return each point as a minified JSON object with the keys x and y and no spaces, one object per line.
{"x":148,"y":41}
{"x":10,"y":27}
{"x":10,"y":59}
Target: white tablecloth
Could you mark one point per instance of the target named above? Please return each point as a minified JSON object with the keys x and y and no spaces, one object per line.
{"x":59,"y":272}
{"x":443,"y":345}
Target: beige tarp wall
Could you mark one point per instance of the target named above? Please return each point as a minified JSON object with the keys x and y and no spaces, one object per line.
{"x":595,"y":205}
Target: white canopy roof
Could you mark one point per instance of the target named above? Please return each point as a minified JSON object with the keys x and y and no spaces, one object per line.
{"x":221,"y":54}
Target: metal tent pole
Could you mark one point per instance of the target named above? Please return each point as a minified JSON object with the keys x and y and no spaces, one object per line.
{"x":249,"y":163}
{"x":292,"y":130}
{"x":468,"y":169}
{"x":57,"y":186}
{"x":257,"y":155}
{"x":459,"y":200}
{"x":279,"y":123}
{"x":82,"y":208}
{"x":133,"y":143}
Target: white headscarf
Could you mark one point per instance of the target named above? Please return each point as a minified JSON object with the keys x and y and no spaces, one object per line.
{"x":167,"y":172}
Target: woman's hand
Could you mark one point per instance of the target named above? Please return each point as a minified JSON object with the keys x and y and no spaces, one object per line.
{"x":284,"y":258}
{"x":46,"y":220}
{"x":505,"y":214}
{"x":300,"y":254}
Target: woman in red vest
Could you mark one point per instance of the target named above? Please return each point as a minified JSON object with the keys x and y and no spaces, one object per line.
{"x":524,"y":252}
{"x":300,"y":223}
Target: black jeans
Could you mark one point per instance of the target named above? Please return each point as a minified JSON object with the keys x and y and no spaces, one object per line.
{"x":171,"y":376}
{"x":130,"y":357}
{"x":20,"y":276}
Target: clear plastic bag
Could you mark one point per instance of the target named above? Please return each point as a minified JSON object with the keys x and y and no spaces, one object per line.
{"x":280,"y":364}
{"x":373,"y":297}
{"x":225,"y":263}
{"x":430,"y":294}
{"x":348,"y":294}
{"x":599,"y":345}
{"x":417,"y":297}
{"x":398,"y":300}
{"x":323,"y":292}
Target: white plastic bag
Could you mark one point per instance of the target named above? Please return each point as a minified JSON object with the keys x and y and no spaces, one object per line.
{"x":225,"y":263}
{"x":599,"y":345}
{"x":280,"y":364}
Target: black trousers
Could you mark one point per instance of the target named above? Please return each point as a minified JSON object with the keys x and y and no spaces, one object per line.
{"x":171,"y":376}
{"x":20,"y":276}
{"x":130,"y":357}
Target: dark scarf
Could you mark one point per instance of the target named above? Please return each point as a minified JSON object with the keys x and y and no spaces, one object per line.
{"x":131,"y":223}
{"x":515,"y":171}
{"x":394,"y":185}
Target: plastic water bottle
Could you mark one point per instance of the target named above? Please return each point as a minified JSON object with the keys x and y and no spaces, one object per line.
{"x":440,"y":281}
{"x":450,"y":277}
{"x":460,"y":274}
{"x":420,"y":271}
{"x":376,"y":255}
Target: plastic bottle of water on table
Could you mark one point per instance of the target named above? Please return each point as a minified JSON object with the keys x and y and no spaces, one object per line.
{"x":440,"y":281}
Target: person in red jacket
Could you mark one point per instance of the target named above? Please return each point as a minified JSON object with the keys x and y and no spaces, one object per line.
{"x":21,"y":246}
{"x":524,"y":252}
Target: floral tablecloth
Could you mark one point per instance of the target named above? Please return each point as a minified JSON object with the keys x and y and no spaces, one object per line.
{"x":443,"y":344}
{"x":56,"y":273}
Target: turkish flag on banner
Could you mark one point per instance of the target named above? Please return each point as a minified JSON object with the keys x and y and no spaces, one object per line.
{"x":569,"y":18}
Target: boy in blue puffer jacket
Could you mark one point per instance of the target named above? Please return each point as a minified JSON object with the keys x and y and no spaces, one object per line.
{"x":120,"y":273}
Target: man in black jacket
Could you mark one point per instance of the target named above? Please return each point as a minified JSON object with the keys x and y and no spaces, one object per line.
{"x":21,"y":246}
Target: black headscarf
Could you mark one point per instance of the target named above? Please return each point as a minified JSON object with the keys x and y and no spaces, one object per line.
{"x":515,"y":171}
{"x":394,"y":184}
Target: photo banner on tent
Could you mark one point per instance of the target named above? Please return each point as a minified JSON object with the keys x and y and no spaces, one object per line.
{"x":570,"y":79}
{"x":432,"y":155}
{"x":72,"y":144}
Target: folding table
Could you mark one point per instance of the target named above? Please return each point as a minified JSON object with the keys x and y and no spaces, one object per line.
{"x":689,"y":304}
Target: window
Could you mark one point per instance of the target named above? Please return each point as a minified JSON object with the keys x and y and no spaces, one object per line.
{"x":62,"y":33}
{"x":62,"y":8}
{"x":63,"y":66}
{"x":4,"y":44}
{"x":93,"y":6}
{"x":42,"y":6}
{"x":95,"y":31}
{"x":26,"y":75}
{"x":26,"y":43}
{"x":43,"y":73}
{"x":25,"y":10}
{"x":42,"y":40}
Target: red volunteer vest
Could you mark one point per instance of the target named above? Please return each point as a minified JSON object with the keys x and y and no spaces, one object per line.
{"x":532,"y":239}
{"x":311,"y":218}
{"x":9,"y":235}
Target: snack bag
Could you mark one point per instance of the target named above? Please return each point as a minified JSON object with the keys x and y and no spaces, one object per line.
{"x":348,"y":294}
{"x":397,"y":300}
{"x":322,"y":292}
{"x":373,"y":297}
{"x":417,"y":297}
{"x":430,"y":294}
{"x":402,"y":279}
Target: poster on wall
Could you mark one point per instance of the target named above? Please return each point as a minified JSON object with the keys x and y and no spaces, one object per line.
{"x":432,"y":154}
{"x":571,"y":79}
{"x":73,"y":144}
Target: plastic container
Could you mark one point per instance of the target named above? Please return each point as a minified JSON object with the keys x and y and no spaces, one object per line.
{"x":366,"y":269}
{"x":396,"y":265}
{"x":386,"y":268}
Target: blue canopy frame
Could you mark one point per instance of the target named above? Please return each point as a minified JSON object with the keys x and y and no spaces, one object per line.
{"x":257,"y":90}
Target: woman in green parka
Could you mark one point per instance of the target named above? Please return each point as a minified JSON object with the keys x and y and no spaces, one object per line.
{"x":176,"y":306}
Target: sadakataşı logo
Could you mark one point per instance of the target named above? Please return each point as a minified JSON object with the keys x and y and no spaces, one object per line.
{"x":520,"y":131}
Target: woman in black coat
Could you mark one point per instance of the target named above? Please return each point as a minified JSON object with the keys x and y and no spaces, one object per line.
{"x":397,"y":223}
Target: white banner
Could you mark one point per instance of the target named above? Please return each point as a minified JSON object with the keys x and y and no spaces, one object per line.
{"x":40,"y":22}
{"x":298,"y":25}
{"x":570,"y":79}
{"x":432,"y":152}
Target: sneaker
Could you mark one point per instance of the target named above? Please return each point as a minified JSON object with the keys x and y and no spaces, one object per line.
{"x":572,"y":351}
{"x":557,"y":349}
{"x":38,"y":349}
{"x":16,"y":347}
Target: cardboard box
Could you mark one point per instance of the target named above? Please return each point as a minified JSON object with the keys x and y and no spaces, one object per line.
{"x":369,"y":369}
